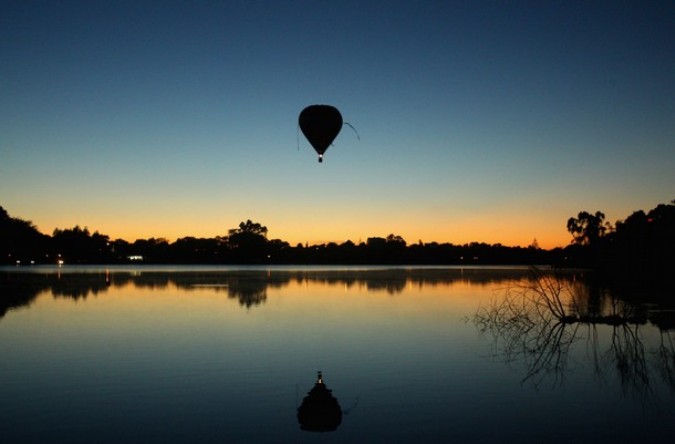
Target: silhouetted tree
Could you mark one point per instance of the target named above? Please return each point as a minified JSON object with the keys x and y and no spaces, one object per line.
{"x":587,"y":228}
{"x":248,"y":243}
{"x":152,"y":250}
{"x":120,"y":249}
{"x":376,"y":249}
{"x":249,"y":227}
{"x":277,"y":250}
{"x":191,"y":250}
{"x":21,"y":241}
{"x":78,"y":245}
{"x":644,"y":242}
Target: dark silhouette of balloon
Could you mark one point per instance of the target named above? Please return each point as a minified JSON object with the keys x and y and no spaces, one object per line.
{"x":320,"y":411}
{"x":320,"y":124}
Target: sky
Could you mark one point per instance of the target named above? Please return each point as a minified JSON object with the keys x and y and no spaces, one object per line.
{"x":478,"y":121}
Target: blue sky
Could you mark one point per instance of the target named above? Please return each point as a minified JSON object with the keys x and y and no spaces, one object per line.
{"x":478,"y":121}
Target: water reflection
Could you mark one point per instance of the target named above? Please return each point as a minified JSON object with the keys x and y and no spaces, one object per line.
{"x":320,"y":410}
{"x":175,"y":356}
{"x":248,"y":286}
{"x":544,"y":322}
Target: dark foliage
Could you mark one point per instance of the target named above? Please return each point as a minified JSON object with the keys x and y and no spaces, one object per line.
{"x":21,"y":241}
{"x":641,"y":245}
{"x":644,"y":242}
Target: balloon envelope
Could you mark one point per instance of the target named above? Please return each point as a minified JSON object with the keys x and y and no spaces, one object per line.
{"x":320,"y":124}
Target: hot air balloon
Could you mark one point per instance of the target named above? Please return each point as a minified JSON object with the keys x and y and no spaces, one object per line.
{"x":320,"y":124}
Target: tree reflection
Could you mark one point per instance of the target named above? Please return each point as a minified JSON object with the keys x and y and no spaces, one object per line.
{"x":539,"y":321}
{"x":249,"y":292}
{"x":247,"y":285}
{"x":17,"y":292}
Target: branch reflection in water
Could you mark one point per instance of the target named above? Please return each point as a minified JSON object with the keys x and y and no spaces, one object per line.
{"x":540,"y":322}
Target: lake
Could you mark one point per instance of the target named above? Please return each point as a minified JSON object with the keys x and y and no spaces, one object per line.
{"x":328,"y":354}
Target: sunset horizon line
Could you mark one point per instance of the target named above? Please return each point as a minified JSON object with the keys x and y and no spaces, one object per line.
{"x":292,"y":240}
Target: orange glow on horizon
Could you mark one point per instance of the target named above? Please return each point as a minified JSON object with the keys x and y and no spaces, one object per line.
{"x":316,"y":222}
{"x":509,"y":230}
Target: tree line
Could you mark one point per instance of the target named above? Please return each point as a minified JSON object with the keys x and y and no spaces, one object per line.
{"x":642,"y":240}
{"x":643,"y":243}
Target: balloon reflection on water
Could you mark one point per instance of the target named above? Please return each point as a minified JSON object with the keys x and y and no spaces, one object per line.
{"x":320,"y":410}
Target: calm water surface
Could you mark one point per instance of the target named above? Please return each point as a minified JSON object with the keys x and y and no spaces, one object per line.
{"x":189,"y":354}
